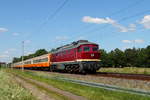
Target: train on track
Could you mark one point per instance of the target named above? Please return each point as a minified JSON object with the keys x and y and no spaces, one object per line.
{"x":78,"y":57}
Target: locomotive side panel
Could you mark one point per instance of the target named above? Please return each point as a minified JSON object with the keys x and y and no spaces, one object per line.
{"x":63,"y":56}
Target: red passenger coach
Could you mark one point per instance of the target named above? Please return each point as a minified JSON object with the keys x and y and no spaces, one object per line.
{"x":81,"y":56}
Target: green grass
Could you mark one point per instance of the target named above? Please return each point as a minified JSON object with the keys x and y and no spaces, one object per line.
{"x":52,"y":94}
{"x":88,"y":92}
{"x":133,"y":70}
{"x":10,"y":90}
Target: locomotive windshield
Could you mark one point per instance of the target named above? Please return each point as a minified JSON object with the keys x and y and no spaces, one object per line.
{"x":86,"y":48}
{"x":95,"y":48}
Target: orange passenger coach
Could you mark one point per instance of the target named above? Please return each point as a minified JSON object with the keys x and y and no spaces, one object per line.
{"x":37,"y":62}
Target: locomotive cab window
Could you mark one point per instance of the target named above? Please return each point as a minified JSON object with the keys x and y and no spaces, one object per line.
{"x":79,"y":49}
{"x":86,"y":48}
{"x":95,"y":48}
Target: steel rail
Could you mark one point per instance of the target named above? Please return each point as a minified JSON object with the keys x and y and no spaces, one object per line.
{"x":124,"y":75}
{"x":131,"y":76}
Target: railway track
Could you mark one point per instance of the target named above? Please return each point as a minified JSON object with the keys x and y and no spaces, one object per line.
{"x":142,"y":77}
{"x":124,"y":76}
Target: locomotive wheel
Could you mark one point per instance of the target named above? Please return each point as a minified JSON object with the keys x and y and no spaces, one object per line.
{"x":83,"y":72}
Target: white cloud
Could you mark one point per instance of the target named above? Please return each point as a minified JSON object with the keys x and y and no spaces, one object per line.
{"x":4,"y":56}
{"x":110,"y":21}
{"x":96,"y":20}
{"x":9,"y":50}
{"x":3,"y":29}
{"x":146,"y":21}
{"x":133,"y":41}
{"x":131,"y":27}
{"x":139,"y":41}
{"x":6,"y":52}
{"x":15,"y":34}
{"x":126,"y":41}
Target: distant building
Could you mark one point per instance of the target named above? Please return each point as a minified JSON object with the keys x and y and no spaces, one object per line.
{"x":2,"y":64}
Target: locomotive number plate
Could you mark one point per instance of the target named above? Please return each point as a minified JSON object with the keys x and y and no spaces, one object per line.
{"x":92,"y":55}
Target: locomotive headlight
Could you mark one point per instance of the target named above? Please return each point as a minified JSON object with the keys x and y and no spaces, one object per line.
{"x":92,"y":55}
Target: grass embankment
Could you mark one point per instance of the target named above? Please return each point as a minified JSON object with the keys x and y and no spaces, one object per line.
{"x":10,"y":90}
{"x":51,"y":93}
{"x":85,"y":91}
{"x":132,"y":70}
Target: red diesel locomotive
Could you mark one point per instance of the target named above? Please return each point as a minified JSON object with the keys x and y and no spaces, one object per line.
{"x":81,"y":56}
{"x":78,"y":57}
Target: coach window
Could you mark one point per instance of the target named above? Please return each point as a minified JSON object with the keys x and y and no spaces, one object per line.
{"x":34,"y":61}
{"x":44,"y":60}
{"x":86,"y":48}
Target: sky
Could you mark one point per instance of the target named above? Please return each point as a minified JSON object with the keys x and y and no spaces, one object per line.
{"x":47,"y":24}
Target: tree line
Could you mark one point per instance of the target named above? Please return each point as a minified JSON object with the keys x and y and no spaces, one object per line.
{"x":37,"y":53}
{"x":116,"y":58}
{"x":128,"y":58}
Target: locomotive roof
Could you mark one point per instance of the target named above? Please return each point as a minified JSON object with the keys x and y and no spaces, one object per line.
{"x":72,"y":45}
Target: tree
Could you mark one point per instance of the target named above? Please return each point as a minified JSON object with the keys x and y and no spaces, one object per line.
{"x":148,"y":56}
{"x":37,"y":53}
{"x":111,"y":62}
{"x":52,"y":50}
{"x":15,"y":59}
{"x":104,"y":58}
{"x":119,"y":58}
{"x":140,"y":61}
{"x":40,"y":52}
{"x":114,"y":58}
{"x":130,"y":57}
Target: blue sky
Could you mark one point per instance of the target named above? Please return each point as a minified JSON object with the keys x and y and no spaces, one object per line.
{"x":110,"y":23}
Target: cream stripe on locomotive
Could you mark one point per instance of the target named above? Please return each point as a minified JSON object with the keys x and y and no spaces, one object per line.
{"x":88,"y":60}
{"x":78,"y":60}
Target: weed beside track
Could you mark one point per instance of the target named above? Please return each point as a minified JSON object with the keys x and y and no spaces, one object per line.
{"x":10,"y":90}
{"x":90,"y":93}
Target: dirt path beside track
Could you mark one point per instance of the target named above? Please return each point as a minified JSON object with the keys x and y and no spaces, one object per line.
{"x":42,"y":95}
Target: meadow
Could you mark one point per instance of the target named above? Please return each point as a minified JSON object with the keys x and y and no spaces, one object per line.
{"x":90,"y":93}
{"x":132,"y":70}
{"x":10,"y":90}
